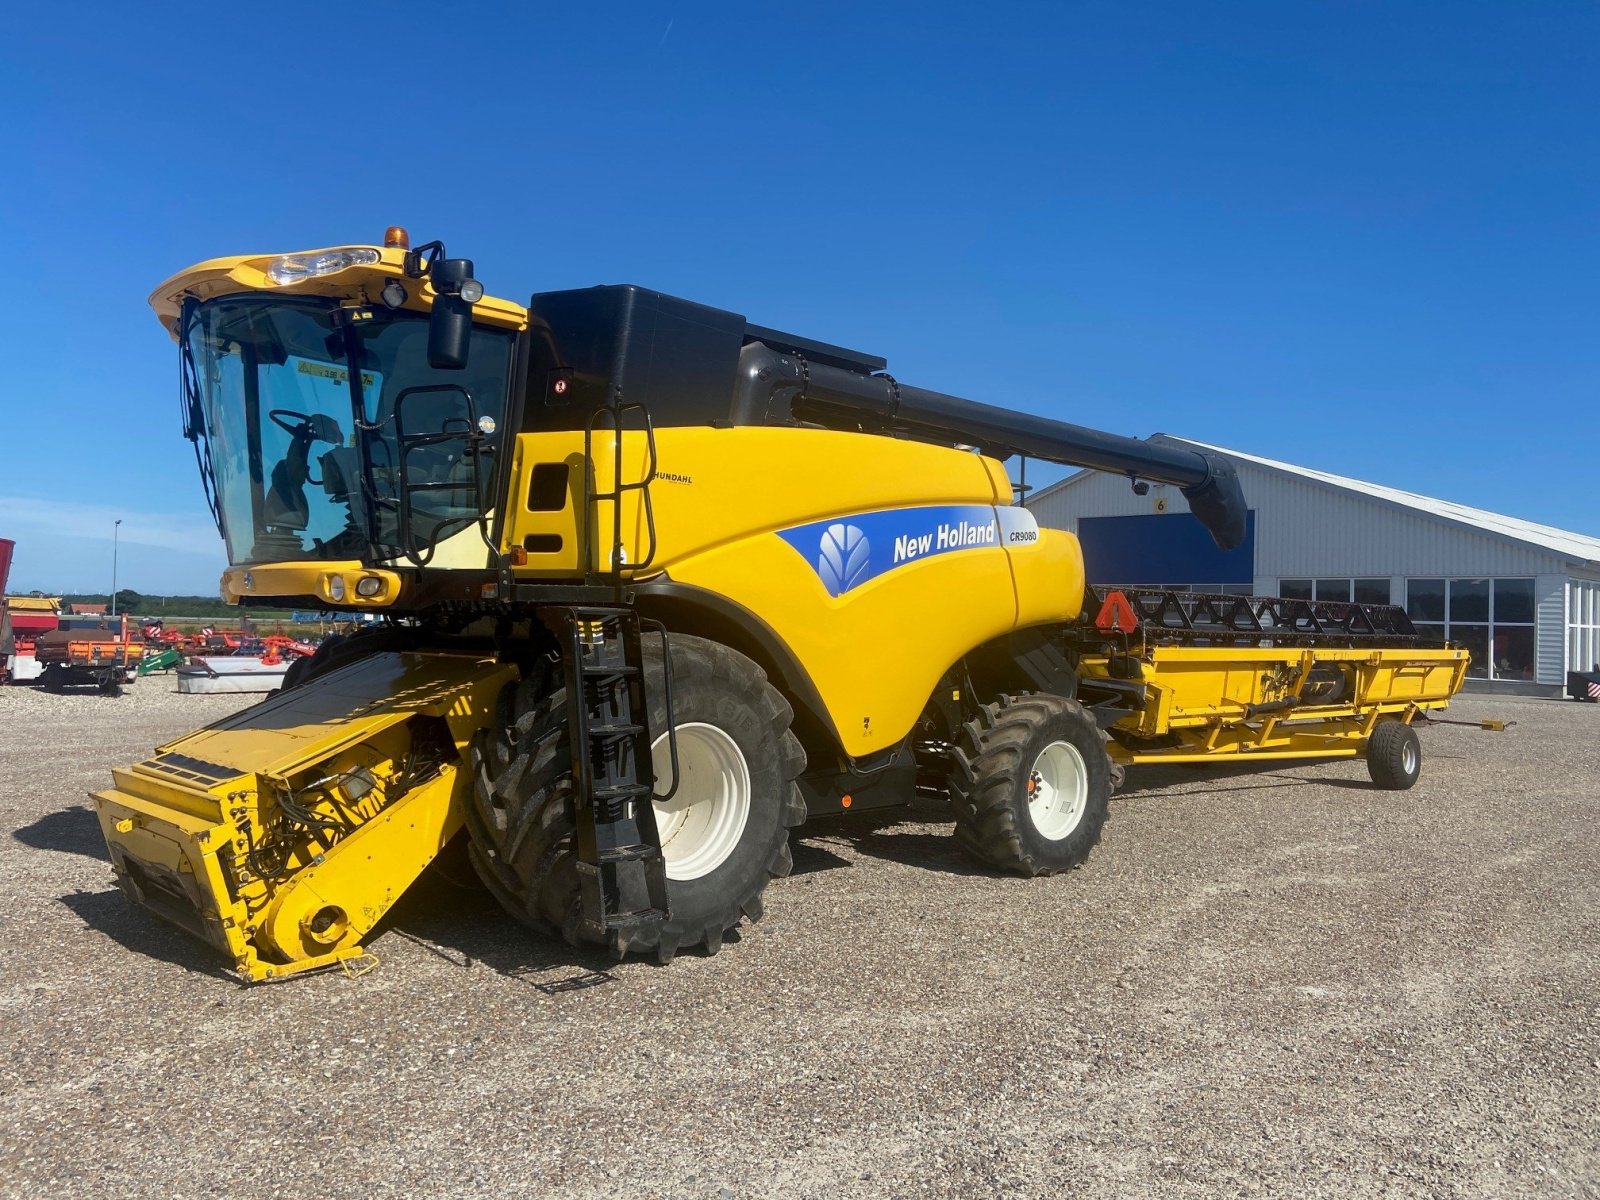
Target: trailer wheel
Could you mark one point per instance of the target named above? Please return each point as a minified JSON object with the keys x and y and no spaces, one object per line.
{"x":1031,"y":784}
{"x":1394,"y":756}
{"x":725,"y":834}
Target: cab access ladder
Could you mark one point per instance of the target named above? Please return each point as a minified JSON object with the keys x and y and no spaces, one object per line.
{"x":622,"y":872}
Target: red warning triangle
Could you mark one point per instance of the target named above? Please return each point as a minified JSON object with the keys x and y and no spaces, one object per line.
{"x":1116,"y":613}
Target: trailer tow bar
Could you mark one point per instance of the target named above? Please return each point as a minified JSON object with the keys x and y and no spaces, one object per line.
{"x":1491,"y":725}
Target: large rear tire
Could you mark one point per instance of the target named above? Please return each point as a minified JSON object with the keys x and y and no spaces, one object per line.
{"x":725,"y":834}
{"x":1031,"y":784}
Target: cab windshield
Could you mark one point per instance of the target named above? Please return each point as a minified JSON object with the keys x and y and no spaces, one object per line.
{"x":304,"y":463}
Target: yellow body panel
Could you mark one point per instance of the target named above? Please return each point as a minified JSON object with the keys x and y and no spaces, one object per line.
{"x":1047,"y":576}
{"x":717,"y":486}
{"x":874,"y":656}
{"x":189,"y":828}
{"x":721,"y":499}
{"x":311,"y":578}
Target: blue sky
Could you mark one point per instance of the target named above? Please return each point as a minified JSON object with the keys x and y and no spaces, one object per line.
{"x":1361,"y":237}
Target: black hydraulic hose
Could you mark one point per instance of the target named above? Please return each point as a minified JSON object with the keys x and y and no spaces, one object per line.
{"x":772,"y":384}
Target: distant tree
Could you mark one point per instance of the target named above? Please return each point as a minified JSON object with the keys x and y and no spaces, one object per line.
{"x":128,"y":600}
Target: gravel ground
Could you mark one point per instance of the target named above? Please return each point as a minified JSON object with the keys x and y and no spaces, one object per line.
{"x":1277,"y":981}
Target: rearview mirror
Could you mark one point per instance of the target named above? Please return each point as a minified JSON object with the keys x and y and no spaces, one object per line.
{"x":450,"y":324}
{"x":449,"y":333}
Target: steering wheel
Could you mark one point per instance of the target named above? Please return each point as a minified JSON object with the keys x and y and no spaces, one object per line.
{"x":277,"y":415}
{"x":314,"y":427}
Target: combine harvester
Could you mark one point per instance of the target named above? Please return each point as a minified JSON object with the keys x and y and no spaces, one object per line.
{"x":659,"y":584}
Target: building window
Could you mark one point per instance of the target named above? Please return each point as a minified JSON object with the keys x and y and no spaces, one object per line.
{"x":1362,"y":591}
{"x":1372,"y":591}
{"x":1583,"y":625}
{"x":1492,"y":618}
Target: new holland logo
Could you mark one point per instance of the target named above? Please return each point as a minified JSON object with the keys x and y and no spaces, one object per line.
{"x":848,"y":553}
{"x":843,"y":558}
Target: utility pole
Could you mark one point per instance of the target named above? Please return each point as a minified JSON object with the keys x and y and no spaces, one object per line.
{"x":115,"y":530}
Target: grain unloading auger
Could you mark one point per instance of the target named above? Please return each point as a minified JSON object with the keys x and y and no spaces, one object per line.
{"x":657,"y":585}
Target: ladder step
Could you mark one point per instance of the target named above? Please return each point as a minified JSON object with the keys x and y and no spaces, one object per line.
{"x":618,"y":671}
{"x":638,"y":852}
{"x":623,"y":791}
{"x":635,"y":919}
{"x":615,"y":730}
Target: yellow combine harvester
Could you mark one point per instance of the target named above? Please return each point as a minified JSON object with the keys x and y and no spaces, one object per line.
{"x":658,"y":584}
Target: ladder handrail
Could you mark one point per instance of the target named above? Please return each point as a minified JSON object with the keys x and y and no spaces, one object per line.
{"x":616,"y":411}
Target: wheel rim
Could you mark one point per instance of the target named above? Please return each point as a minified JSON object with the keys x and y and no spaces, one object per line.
{"x":1058,"y":790}
{"x":705,"y":819}
{"x":1408,"y":759}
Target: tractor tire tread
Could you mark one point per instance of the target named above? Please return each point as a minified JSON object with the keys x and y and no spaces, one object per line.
{"x":1386,"y":754}
{"x":988,"y":759}
{"x":521,"y":817}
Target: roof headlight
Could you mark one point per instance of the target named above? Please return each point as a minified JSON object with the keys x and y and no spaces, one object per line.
{"x":471,"y":291}
{"x":296,"y":268}
{"x":336,"y":588}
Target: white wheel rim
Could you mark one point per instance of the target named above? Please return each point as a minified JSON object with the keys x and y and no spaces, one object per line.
{"x":1408,"y":759}
{"x":1058,"y":790}
{"x":705,"y":818}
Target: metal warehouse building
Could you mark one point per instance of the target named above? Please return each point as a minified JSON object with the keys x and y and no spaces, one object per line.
{"x":1523,"y":598}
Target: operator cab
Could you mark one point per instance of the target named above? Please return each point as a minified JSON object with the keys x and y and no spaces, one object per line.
{"x":330,"y":431}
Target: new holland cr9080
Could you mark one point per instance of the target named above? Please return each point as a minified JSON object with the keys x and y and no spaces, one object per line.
{"x":660,"y":583}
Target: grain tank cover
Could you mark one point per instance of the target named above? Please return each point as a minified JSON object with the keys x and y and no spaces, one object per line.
{"x":677,"y":358}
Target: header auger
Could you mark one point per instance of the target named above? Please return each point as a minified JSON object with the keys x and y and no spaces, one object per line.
{"x":658,"y":584}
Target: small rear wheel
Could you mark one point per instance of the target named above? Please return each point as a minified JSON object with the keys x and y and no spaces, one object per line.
{"x":1394,"y":756}
{"x":1031,"y":784}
